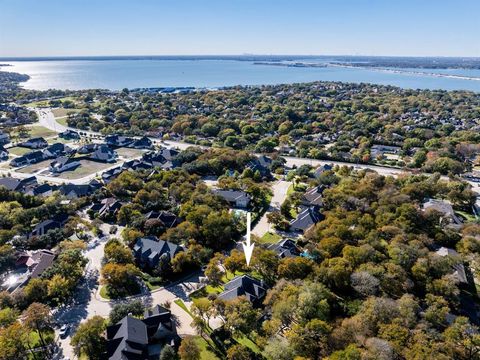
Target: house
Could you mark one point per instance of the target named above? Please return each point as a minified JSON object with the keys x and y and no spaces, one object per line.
{"x":4,"y":138}
{"x":69,"y":135}
{"x":34,"y":143}
{"x":321,"y":169}
{"x":33,"y":157}
{"x":167,"y":218}
{"x":104,"y":153}
{"x":45,"y":226}
{"x":106,"y":207}
{"x":17,"y":184}
{"x":313,"y":196}
{"x":118,"y":140}
{"x":458,"y":267}
{"x":3,"y":153}
{"x":149,"y":250}
{"x":305,"y":219}
{"x":377,"y":151}
{"x":444,"y":208}
{"x":39,"y":261}
{"x":63,"y":163}
{"x":135,"y":165}
{"x":56,"y":150}
{"x":141,"y":339}
{"x":72,"y":191}
{"x":244,"y":285}
{"x":87,"y":148}
{"x":261,"y":164}
{"x":169,"y":154}
{"x":111,"y":174}
{"x":40,"y":190}
{"x":236,"y":198}
{"x":285,"y":248}
{"x":142,"y":143}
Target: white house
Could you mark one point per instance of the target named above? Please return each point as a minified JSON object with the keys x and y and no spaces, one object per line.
{"x":63,"y":163}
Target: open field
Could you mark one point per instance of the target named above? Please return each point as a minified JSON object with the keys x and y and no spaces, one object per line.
{"x":61,"y":112}
{"x":62,"y":120}
{"x":38,"y":131}
{"x":35,"y":167}
{"x":87,"y":167}
{"x":129,"y":153}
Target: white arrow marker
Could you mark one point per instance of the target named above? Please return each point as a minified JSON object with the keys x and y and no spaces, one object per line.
{"x":247,"y":246}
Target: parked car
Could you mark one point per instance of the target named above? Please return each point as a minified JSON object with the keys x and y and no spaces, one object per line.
{"x":64,"y":331}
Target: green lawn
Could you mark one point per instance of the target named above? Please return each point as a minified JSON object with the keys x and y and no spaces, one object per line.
{"x":468,"y":216}
{"x":290,"y":189}
{"x":62,"y":121}
{"x":87,"y":167}
{"x":205,"y":348}
{"x":270,"y":238}
{"x":17,"y":150}
{"x":61,"y":112}
{"x":35,"y":167}
{"x":180,"y":303}
{"x":104,"y":293}
{"x":37,"y":131}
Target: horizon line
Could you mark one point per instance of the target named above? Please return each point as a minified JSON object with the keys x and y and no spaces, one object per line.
{"x":72,"y":57}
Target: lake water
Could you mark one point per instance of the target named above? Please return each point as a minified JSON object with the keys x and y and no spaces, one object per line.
{"x":118,"y":74}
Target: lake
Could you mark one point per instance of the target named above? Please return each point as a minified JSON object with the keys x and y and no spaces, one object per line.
{"x":213,"y":73}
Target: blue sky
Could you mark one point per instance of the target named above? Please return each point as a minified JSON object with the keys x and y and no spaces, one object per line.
{"x":179,"y":27}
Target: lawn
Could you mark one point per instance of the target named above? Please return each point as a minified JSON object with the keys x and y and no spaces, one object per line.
{"x":180,"y":303}
{"x":62,"y":120}
{"x":290,"y":189}
{"x":467,"y":216}
{"x":87,"y":167}
{"x":270,"y":238}
{"x":35,"y":167}
{"x":37,"y":131}
{"x":129,"y":153}
{"x":205,"y":348}
{"x":104,"y":293}
{"x":19,"y":151}
{"x":61,"y":112}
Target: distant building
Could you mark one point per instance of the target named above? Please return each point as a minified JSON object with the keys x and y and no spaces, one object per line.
{"x":63,"y":163}
{"x":45,"y":226}
{"x":321,"y":169}
{"x":34,"y":143}
{"x":15,"y":184}
{"x":236,"y":198}
{"x":142,"y":143}
{"x":103,"y":153}
{"x":313,"y":196}
{"x":3,"y":153}
{"x":262,"y":164}
{"x":444,"y":208}
{"x":149,"y":250}
{"x":32,"y":157}
{"x":244,"y":285}
{"x":458,"y":267}
{"x":40,"y":190}
{"x":108,"y":207}
{"x":56,"y":150}
{"x":118,"y":140}
{"x":72,"y":191}
{"x":4,"y":138}
{"x":69,"y":135}
{"x":168,"y":219}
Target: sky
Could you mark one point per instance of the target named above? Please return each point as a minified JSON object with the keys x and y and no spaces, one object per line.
{"x":233,"y":27}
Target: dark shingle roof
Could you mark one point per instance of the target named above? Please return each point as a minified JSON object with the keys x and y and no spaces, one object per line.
{"x":245,"y":285}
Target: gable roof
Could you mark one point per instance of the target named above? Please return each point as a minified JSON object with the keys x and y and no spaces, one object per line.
{"x":232,"y":195}
{"x":153,"y":248}
{"x":127,"y":339}
{"x":305,"y":219}
{"x":244,"y":285}
{"x":313,"y":196}
{"x":285,"y":248}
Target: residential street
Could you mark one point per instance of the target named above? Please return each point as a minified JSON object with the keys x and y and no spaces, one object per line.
{"x":279,"y":190}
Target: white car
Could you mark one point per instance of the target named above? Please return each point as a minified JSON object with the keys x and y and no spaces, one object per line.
{"x":64,"y":331}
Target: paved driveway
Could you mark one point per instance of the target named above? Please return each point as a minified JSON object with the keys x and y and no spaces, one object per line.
{"x":279,"y":190}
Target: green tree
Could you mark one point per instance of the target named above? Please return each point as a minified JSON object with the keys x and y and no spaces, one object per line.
{"x":89,"y":340}
{"x":189,"y":349}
